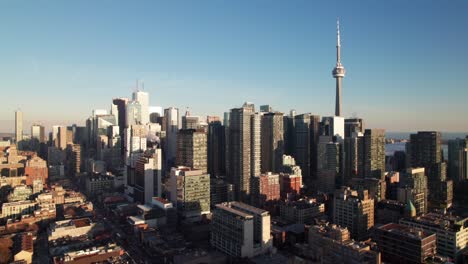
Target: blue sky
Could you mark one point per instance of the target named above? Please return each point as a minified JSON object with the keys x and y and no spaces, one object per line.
{"x":406,"y":61}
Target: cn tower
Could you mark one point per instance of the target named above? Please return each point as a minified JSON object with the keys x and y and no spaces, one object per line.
{"x":338,"y":71}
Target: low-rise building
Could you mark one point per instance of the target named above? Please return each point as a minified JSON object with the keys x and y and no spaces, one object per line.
{"x":100,"y":254}
{"x":23,"y":248}
{"x":451,"y":231}
{"x":302,"y":211}
{"x":99,"y":184}
{"x":18,"y":209}
{"x":20,"y":193}
{"x":404,"y":244}
{"x":330,"y":244}
{"x":71,"y":228}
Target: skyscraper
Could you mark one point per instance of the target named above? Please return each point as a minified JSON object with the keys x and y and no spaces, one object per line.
{"x":134,"y":113}
{"x":272,"y":142}
{"x":121,"y":104}
{"x":216,"y":149}
{"x":302,"y":145}
{"x":374,"y":153}
{"x":192,"y":149}
{"x":244,"y":148}
{"x":425,"y":150}
{"x":458,"y":159}
{"x":142,"y":98}
{"x":338,"y":71}
{"x":172,"y":127}
{"x":18,"y":127}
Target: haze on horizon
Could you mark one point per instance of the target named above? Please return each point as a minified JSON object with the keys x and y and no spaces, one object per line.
{"x":405,"y":61}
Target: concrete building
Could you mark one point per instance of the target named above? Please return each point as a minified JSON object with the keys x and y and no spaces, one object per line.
{"x":301,"y":212}
{"x":265,"y":188}
{"x":190,"y":192}
{"x":148,"y":176}
{"x":134,"y":113}
{"x":403,"y":244}
{"x":354,"y":210}
{"x":240,"y":230}
{"x":272,"y":141}
{"x":451,"y":232}
{"x":192,"y":149}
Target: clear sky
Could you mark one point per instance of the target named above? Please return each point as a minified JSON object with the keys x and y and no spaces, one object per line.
{"x":406,"y":61}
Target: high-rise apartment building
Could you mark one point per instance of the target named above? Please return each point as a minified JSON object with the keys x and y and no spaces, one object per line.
{"x":272,"y":142}
{"x":192,"y":149}
{"x":243,"y":152}
{"x":374,"y":153}
{"x":240,"y":230}
{"x":354,"y":210}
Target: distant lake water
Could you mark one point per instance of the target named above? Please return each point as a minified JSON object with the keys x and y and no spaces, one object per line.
{"x":400,"y":146}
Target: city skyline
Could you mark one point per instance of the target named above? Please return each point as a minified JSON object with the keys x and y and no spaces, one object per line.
{"x":282,"y":58}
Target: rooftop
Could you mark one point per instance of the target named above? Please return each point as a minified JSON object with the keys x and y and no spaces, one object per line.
{"x":406,"y":231}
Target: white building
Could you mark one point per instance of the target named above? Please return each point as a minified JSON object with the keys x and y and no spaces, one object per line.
{"x":142,"y":98}
{"x":241,"y":230}
{"x":72,"y":228}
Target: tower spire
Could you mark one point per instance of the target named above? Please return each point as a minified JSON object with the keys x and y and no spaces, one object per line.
{"x":338,"y":42}
{"x":338,"y":71}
